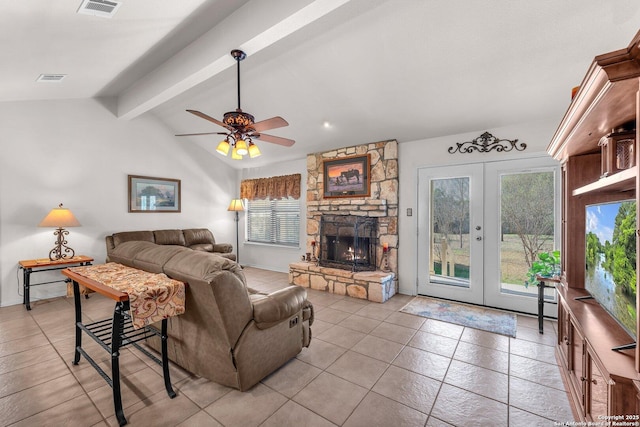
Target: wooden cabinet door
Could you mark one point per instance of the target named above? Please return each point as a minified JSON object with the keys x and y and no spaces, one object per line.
{"x":577,"y":364}
{"x":564,"y":327}
{"x":597,"y":390}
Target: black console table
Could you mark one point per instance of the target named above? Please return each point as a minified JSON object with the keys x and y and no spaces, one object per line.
{"x":30,"y":266}
{"x":114,"y":334}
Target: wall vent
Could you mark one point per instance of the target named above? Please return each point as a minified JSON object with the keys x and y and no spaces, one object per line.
{"x":50,"y":78}
{"x":102,"y":8}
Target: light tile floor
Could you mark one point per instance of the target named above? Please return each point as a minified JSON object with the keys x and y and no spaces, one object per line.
{"x":368,"y":365}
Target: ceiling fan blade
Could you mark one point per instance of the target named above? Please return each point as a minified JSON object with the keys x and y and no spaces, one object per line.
{"x":272,"y":123}
{"x":211,"y":119}
{"x":204,"y":133}
{"x":274,"y":139}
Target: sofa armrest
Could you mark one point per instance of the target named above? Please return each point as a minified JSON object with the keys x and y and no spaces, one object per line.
{"x":225,"y":248}
{"x":110,"y":244}
{"x":271,"y":309}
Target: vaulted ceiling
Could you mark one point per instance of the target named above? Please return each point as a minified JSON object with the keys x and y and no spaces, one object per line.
{"x":370,"y":69}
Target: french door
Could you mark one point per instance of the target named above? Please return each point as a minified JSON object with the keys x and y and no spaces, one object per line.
{"x":451,"y":231}
{"x":480,"y":226}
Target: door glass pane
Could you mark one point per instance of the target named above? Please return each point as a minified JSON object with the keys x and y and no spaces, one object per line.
{"x":527,"y":226}
{"x":450,"y":231}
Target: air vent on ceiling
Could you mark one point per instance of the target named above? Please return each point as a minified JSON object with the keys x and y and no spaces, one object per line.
{"x":102,"y":8}
{"x":54,"y":78}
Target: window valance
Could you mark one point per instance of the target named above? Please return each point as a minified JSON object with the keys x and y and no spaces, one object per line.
{"x":275,"y":187}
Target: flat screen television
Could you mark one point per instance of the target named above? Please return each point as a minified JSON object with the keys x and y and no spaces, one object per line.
{"x":610,"y":275}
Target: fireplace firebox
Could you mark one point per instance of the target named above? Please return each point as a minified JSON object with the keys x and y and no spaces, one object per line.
{"x":348,"y":242}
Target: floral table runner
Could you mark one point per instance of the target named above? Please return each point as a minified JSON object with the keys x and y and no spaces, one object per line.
{"x":152,"y":297}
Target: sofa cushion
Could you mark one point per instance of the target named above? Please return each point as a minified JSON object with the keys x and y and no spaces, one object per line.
{"x":205,"y":247}
{"x":201,"y":266}
{"x":127,"y":236}
{"x":223,"y":247}
{"x":152,"y":257}
{"x":216,"y":274}
{"x":125,"y":253}
{"x":197,"y":236}
{"x":169,"y":237}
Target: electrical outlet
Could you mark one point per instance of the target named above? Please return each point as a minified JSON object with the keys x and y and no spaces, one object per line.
{"x":409,"y":212}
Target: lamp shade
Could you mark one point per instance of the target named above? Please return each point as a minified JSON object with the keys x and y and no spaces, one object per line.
{"x":235,"y":155}
{"x":236,"y":205}
{"x":223,"y":147}
{"x":59,"y":217}
{"x":254,"y":151}
{"x":241,"y":147}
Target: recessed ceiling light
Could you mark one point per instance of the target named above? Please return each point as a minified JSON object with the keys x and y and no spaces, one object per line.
{"x":50,"y":78}
{"x":101,"y":8}
{"x":326,"y":125}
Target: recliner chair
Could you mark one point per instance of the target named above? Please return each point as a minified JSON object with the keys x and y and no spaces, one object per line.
{"x":229,"y":333}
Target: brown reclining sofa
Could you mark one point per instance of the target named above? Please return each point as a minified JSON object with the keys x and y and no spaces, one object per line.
{"x":199,"y":239}
{"x":229,"y":333}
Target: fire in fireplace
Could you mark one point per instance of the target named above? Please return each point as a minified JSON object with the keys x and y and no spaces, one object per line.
{"x":348,"y":242}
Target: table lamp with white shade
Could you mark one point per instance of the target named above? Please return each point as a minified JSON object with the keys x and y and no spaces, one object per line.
{"x":60,"y":218}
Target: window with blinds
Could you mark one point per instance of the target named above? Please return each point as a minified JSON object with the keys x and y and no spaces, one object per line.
{"x":274,"y":221}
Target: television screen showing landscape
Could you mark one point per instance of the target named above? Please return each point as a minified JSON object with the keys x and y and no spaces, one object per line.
{"x":610,"y":257}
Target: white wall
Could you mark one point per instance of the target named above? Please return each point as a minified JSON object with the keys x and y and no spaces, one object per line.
{"x":433,"y":152}
{"x":270,"y":257}
{"x":412,"y":156}
{"x":78,"y":153}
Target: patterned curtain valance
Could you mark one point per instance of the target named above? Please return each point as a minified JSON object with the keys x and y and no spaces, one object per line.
{"x":276,"y":187}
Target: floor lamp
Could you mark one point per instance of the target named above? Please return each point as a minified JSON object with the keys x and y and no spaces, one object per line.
{"x":236,"y":206}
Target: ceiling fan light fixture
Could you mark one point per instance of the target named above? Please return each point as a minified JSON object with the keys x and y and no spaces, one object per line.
{"x":254,"y":151}
{"x":241,"y":126}
{"x":235,"y":155}
{"x":241,"y":147}
{"x":223,"y":147}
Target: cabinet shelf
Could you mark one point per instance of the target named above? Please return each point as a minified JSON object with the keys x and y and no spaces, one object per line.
{"x":601,"y":331}
{"x":622,"y":181}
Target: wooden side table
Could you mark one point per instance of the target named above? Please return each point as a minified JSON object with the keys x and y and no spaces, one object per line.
{"x":113,"y":334}
{"x":45,"y":264}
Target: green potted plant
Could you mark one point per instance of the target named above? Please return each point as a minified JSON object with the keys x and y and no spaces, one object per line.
{"x":547,"y":265}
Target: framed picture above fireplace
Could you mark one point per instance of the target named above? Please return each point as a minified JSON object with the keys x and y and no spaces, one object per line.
{"x":347,"y":177}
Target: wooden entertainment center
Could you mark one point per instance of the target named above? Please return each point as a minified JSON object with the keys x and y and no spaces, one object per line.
{"x":603,"y":383}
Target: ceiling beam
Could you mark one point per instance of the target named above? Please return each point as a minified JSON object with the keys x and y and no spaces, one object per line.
{"x":209,"y":54}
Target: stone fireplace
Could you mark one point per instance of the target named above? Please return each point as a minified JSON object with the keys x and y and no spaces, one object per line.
{"x":340,"y":267}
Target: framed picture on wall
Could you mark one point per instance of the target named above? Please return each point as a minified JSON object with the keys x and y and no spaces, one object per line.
{"x":347,"y":177}
{"x":149,"y":194}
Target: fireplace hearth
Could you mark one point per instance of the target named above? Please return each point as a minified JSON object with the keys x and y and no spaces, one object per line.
{"x":348,"y":242}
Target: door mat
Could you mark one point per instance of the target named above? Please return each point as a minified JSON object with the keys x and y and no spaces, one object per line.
{"x":486,"y":319}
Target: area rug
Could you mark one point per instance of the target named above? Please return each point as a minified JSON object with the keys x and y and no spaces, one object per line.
{"x":486,"y":319}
